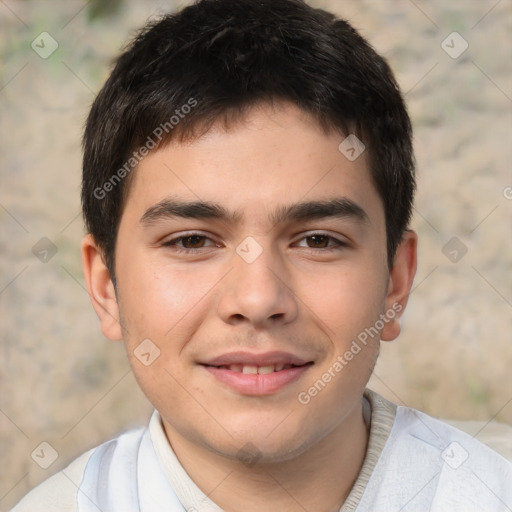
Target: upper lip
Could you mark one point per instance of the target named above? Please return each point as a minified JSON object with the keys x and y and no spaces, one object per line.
{"x":252,"y":359}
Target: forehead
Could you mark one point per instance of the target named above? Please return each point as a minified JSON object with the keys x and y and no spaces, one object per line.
{"x":270,"y":158}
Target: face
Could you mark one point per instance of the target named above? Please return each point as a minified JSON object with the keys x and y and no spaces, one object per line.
{"x":253,"y":259}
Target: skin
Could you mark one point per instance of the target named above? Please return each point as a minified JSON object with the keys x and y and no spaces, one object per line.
{"x":301,"y":295}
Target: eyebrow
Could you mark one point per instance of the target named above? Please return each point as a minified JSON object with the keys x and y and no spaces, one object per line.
{"x":340,"y":208}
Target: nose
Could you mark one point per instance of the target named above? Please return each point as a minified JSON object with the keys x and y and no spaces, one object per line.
{"x":258,"y":294}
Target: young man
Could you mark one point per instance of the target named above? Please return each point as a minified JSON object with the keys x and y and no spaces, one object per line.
{"x":247,"y":186}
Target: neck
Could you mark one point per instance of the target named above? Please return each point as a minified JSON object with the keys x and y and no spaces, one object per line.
{"x":319,"y":479}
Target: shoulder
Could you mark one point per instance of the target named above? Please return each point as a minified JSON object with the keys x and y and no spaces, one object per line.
{"x":59,"y":493}
{"x":451,"y":442}
{"x":456,"y":469}
{"x":427,"y":464}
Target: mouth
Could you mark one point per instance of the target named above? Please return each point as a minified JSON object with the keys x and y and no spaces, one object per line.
{"x":257,"y":375}
{"x":249,"y":369}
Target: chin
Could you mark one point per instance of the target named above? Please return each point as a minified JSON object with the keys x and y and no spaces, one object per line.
{"x":269,"y":443}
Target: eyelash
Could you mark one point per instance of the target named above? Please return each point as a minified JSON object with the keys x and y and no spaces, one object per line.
{"x":183,"y":250}
{"x":337,"y":244}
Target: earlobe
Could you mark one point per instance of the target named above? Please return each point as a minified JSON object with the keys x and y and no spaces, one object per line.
{"x":400,"y":282}
{"x":101,"y":289}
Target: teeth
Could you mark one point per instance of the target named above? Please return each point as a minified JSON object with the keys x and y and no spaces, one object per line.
{"x":250,"y":370}
{"x":253,"y":370}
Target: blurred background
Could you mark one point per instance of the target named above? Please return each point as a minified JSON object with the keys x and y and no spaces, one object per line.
{"x":62,"y":383}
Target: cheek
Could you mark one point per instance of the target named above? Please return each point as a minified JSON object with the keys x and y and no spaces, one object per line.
{"x":348,"y":300}
{"x":158,"y":301}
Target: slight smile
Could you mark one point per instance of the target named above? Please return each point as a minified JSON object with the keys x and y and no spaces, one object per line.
{"x":257,"y":374}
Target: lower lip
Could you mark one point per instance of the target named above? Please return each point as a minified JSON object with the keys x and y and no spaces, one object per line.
{"x":257,"y":385}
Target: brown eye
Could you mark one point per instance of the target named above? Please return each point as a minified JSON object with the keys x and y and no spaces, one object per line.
{"x":318,"y":241}
{"x":321,"y":242}
{"x":193,"y":242}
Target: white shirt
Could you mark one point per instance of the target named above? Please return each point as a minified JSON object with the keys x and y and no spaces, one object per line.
{"x":413,"y":463}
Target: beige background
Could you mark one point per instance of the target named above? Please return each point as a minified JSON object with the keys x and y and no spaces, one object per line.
{"x":62,"y":383}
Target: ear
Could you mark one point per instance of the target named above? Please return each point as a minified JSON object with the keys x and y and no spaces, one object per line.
{"x":101,"y":289}
{"x":400,"y":283}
